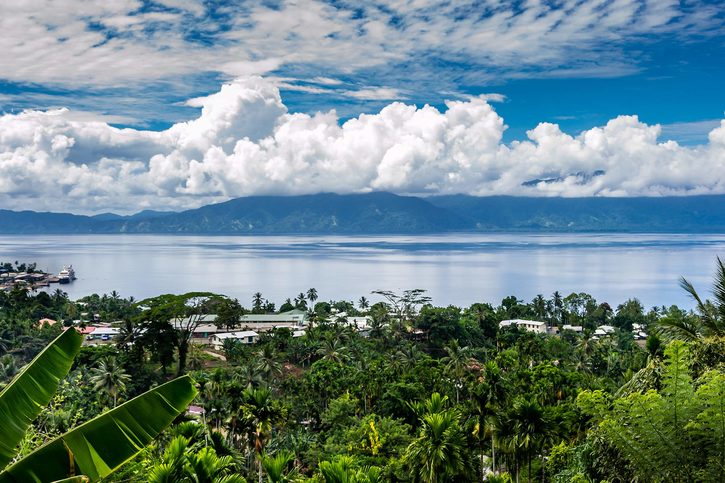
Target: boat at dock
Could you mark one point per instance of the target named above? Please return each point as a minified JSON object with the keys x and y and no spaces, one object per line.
{"x":67,"y":275}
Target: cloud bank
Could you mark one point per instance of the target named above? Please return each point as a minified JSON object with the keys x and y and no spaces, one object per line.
{"x":246,"y":142}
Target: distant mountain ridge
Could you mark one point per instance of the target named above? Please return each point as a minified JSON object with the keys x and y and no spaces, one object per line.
{"x":386,"y":213}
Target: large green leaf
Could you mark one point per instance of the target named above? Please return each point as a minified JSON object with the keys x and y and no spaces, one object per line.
{"x":103,"y":444}
{"x":22,"y":400}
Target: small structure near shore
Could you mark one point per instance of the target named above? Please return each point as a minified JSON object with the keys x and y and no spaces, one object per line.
{"x":242,"y":336}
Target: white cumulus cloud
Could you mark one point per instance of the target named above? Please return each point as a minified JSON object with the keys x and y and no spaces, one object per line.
{"x":246,"y":142}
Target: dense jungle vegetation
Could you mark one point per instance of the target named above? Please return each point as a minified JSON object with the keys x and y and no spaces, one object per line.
{"x":428,"y":394}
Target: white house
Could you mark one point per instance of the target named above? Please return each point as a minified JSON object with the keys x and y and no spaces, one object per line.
{"x":243,"y":336}
{"x":530,"y":325}
{"x":638,"y":331}
{"x":576,"y":328}
{"x":102,"y":333}
{"x":360,"y":323}
{"x":603,"y":331}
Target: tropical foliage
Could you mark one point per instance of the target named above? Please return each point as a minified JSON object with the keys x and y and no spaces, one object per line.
{"x":422,"y":394}
{"x":94,"y":449}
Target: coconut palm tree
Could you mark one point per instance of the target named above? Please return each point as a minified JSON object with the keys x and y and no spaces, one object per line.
{"x":333,"y":350}
{"x":312,"y":296}
{"x":711,"y":314}
{"x":257,"y":301}
{"x":196,"y":358}
{"x":267,"y":364}
{"x":110,"y":378}
{"x":539,"y":306}
{"x":363,"y":303}
{"x":558,"y":303}
{"x":301,"y":301}
{"x":456,"y":363}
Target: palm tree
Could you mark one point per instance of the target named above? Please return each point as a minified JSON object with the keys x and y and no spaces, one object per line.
{"x":530,"y":425}
{"x":408,"y":357}
{"x":558,"y":303}
{"x":539,"y":306}
{"x":262,"y":412}
{"x":312,"y":296}
{"x":257,"y":301}
{"x":363,"y":303}
{"x":456,"y":362}
{"x":110,"y":378}
{"x":711,"y":314}
{"x":489,"y":397}
{"x":276,"y":467}
{"x":182,"y":463}
{"x":333,"y":350}
{"x":344,"y":469}
{"x":437,"y":454}
{"x":267,"y":364}
{"x":301,"y":301}
{"x":196,"y":358}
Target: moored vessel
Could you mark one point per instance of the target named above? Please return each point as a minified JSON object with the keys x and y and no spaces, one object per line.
{"x":67,"y":275}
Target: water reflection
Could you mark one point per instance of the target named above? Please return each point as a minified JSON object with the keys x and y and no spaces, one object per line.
{"x":455,"y":269}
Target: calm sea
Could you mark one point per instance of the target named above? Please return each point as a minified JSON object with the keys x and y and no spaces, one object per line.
{"x":455,"y":269}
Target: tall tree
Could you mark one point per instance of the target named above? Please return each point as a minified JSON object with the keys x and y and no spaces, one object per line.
{"x":489,"y":399}
{"x":184,"y":313}
{"x":312,"y":296}
{"x":558,"y":303}
{"x":530,"y":427}
{"x":456,"y":363}
{"x":257,"y":302}
{"x":110,"y":378}
{"x":229,"y":313}
{"x":363,"y":303}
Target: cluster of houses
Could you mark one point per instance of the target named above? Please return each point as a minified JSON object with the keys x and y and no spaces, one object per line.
{"x":252,"y":325}
{"x":100,"y":332}
{"x":638,"y":331}
{"x":206,"y":331}
{"x":9,"y":279}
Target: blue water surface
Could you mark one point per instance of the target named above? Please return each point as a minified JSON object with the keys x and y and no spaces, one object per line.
{"x":454,"y":269}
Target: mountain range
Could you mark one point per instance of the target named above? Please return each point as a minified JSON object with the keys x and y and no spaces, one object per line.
{"x":386,"y":213}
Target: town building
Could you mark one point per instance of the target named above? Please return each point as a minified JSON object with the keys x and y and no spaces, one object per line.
{"x":529,"y":325}
{"x":243,"y":336}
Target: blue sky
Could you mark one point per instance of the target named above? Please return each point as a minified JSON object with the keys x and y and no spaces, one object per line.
{"x":575,"y":63}
{"x":669,"y":71}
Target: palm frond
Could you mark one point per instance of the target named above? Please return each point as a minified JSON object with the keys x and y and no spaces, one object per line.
{"x":690,"y":289}
{"x":672,"y":329}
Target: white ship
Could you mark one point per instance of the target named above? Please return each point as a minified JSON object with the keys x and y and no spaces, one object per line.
{"x":67,"y":275}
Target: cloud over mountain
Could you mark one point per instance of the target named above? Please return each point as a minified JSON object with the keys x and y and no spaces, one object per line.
{"x":245,"y":141}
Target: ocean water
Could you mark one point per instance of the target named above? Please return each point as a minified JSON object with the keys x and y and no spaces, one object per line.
{"x":454,"y":269}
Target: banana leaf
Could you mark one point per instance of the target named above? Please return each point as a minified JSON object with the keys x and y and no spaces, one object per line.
{"x":100,"y":446}
{"x":30,"y":391}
